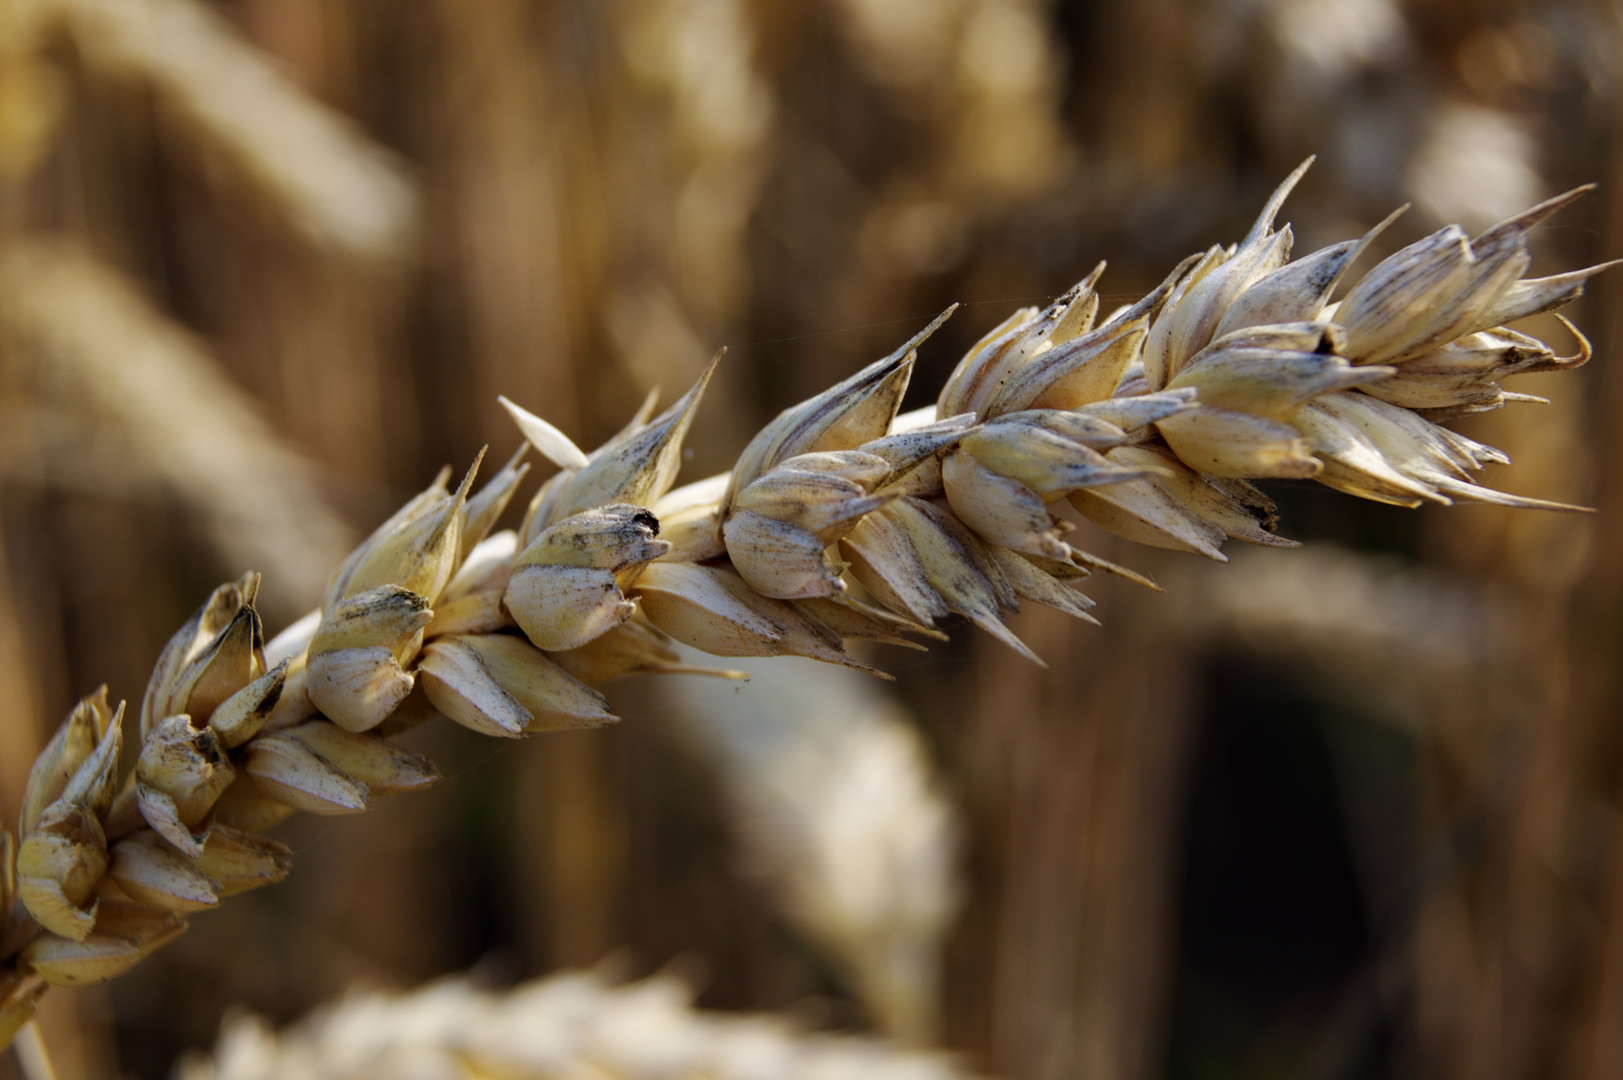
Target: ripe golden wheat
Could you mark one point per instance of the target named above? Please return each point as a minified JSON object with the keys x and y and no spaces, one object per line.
{"x":1150,"y":424}
{"x":565,"y":1025}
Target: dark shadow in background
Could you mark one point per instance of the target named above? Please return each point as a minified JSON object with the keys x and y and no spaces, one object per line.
{"x":1284,"y":883}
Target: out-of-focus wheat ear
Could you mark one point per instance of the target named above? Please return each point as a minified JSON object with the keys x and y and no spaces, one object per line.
{"x":453,"y":1028}
{"x":188,"y":427}
{"x":839,"y":808}
{"x":35,"y":92}
{"x":311,"y":164}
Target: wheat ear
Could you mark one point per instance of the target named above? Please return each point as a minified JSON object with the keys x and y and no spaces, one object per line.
{"x":1150,"y":424}
{"x":573,"y":1024}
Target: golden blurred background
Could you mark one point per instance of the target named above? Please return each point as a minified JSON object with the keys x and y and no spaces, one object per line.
{"x":1351,"y":811}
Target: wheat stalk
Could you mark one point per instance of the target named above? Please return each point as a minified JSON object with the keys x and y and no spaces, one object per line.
{"x":1151,"y":424}
{"x":336,"y":187}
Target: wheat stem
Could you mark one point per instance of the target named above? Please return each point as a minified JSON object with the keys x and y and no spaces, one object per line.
{"x":32,"y":1055}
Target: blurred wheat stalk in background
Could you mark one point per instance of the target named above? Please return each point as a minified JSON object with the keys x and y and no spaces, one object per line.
{"x":697,"y":112}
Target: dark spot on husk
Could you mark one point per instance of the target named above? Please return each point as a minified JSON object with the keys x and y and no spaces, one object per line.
{"x":268,"y":702}
{"x":208,"y":750}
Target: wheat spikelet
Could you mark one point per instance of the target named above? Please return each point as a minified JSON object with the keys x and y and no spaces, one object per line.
{"x":1151,"y":424}
{"x":565,"y":1025}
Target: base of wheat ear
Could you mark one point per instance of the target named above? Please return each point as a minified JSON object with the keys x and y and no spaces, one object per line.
{"x":1150,"y":424}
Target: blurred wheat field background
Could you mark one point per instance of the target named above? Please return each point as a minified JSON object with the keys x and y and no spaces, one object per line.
{"x":1349,"y":811}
